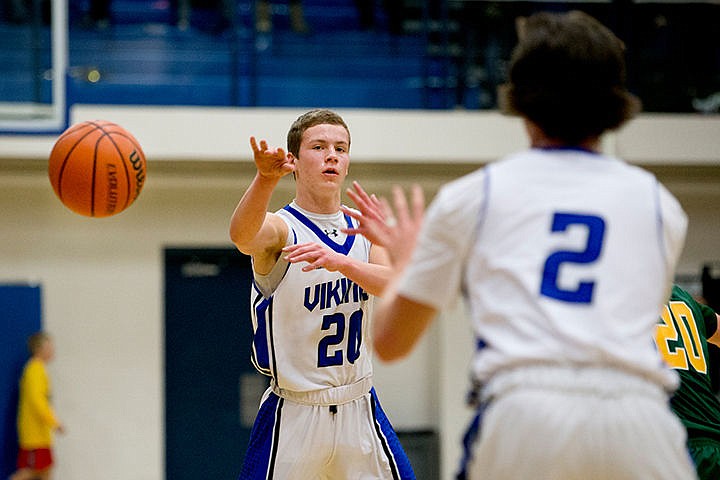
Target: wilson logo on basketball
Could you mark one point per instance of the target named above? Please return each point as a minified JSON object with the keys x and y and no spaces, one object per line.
{"x":138,"y":164}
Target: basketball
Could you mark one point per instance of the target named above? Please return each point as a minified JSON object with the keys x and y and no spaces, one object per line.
{"x":97,"y":168}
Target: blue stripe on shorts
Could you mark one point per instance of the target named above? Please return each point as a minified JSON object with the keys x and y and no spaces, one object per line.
{"x":471,"y":436}
{"x":262,"y":449}
{"x":260,"y":456}
{"x":399,"y":461}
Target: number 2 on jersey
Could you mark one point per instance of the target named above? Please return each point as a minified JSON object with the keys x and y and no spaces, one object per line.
{"x":596,"y":231}
{"x":325,"y":358}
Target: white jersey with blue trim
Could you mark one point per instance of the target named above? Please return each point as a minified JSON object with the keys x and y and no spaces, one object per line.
{"x":565,"y":257}
{"x":312,"y":332}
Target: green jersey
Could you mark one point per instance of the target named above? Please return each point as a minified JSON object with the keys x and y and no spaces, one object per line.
{"x":681,"y":337}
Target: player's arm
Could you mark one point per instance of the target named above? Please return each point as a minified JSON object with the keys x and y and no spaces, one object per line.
{"x":37,"y":400}
{"x":399,"y":321}
{"x":399,"y":324}
{"x":372,"y":276}
{"x":715,"y":337}
{"x":253,"y":229}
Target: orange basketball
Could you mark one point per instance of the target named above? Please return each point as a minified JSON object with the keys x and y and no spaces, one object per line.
{"x":97,"y":168}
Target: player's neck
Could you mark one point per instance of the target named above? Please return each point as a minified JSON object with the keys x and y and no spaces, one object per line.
{"x":318,"y":202}
{"x":40,"y":359}
{"x":538,"y":139}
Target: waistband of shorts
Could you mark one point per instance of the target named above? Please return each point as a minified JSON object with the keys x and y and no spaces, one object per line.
{"x":597,"y":381}
{"x":327,"y":396}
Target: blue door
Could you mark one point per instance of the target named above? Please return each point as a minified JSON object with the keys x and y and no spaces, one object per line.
{"x":20,"y":316}
{"x":211,"y":389}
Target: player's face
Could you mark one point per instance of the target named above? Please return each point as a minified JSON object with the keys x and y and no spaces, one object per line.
{"x":47,"y":350}
{"x":324,"y":155}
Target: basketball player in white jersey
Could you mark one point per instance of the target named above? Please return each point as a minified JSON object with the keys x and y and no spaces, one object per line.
{"x":312,"y":297}
{"x":565,"y":257}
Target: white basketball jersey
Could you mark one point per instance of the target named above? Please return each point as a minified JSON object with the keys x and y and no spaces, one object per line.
{"x":564,"y":256}
{"x":312,"y":332}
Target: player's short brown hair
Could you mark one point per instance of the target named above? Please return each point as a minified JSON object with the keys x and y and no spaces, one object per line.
{"x":567,"y":75}
{"x":36,"y":340}
{"x":310,"y":119}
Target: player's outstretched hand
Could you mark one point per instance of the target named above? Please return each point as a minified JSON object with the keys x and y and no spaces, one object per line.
{"x":272,"y":163}
{"x":368,"y":203}
{"x":396,"y":230}
{"x":372,"y":210}
{"x":316,"y":256}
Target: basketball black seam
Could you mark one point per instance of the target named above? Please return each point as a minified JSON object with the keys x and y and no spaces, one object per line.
{"x":94,"y":172}
{"x":94,"y":167}
{"x":67,"y":156}
{"x":124,"y":163}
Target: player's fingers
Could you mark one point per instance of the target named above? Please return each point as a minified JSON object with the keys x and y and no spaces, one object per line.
{"x":293,"y":251}
{"x":418,"y":203}
{"x":287,"y":166}
{"x":310,"y":267}
{"x":301,"y":257}
{"x":299,"y":247}
{"x":358,"y":200}
{"x":361,"y":191}
{"x":371,"y":207}
{"x":351,"y":213}
{"x":289,"y":248}
{"x":401,"y":207}
{"x":386,"y":209}
{"x":375,"y":205}
{"x":253,"y":144}
{"x":375,"y":200}
{"x":297,"y":257}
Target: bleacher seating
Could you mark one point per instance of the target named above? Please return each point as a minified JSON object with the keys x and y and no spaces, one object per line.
{"x":455,"y":60}
{"x":142,"y":58}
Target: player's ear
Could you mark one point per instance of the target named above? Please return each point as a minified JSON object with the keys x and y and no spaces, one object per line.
{"x":292,"y":159}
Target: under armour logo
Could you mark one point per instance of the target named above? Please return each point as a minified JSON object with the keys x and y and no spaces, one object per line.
{"x":332,"y":232}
